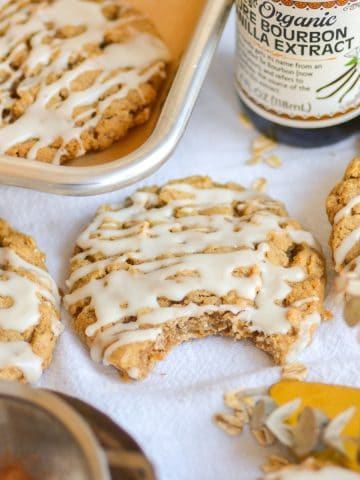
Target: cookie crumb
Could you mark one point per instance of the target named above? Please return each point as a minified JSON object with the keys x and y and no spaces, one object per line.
{"x":273,"y":161}
{"x":294,"y":371}
{"x":327,"y":315}
{"x":260,"y":185}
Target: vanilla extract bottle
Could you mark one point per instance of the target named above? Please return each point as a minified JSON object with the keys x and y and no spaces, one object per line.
{"x":298,"y":68}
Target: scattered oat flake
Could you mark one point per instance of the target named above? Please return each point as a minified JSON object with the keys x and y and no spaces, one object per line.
{"x":274,"y":463}
{"x":245,"y":120}
{"x":260,"y":185}
{"x":262,"y":144}
{"x":231,"y":424}
{"x":263,"y":436}
{"x":294,"y":371}
{"x":255,"y":160}
{"x":273,"y":161}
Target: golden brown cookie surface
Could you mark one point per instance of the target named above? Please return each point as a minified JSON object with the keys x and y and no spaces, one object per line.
{"x":343,"y":208}
{"x":190,"y":259}
{"x":29,"y":308}
{"x":75,"y":75}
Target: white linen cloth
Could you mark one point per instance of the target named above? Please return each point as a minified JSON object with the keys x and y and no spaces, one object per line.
{"x":169,"y":414}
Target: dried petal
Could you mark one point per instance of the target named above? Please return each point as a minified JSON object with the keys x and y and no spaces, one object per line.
{"x":307,"y":431}
{"x":263,"y":408}
{"x":276,"y":422}
{"x":332,"y":433}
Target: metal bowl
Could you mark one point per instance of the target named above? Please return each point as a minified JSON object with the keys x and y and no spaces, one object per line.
{"x":57,"y":437}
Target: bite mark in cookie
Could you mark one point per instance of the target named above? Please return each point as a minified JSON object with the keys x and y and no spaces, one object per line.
{"x":75,"y":76}
{"x":190,"y":259}
{"x":29,"y":308}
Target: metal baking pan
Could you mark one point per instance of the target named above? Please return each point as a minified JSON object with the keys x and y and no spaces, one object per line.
{"x":147,"y":148}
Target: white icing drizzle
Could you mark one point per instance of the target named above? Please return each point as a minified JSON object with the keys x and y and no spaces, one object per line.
{"x":347,"y":209}
{"x":350,"y":240}
{"x":353,"y":276}
{"x":162,"y":246}
{"x":348,"y":281}
{"x":20,"y":355}
{"x":120,"y":66}
{"x":346,"y":246}
{"x":325,"y":473}
{"x":26,"y":296}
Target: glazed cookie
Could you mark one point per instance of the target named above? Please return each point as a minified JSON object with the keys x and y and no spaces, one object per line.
{"x":75,"y":75}
{"x":29,"y":308}
{"x":312,"y":469}
{"x":343,"y":208}
{"x":191,"y":259}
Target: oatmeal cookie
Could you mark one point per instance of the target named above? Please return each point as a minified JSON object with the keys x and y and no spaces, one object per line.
{"x":190,"y":259}
{"x":310,"y":469}
{"x":75,"y":75}
{"x":343,"y":208}
{"x":29,"y":308}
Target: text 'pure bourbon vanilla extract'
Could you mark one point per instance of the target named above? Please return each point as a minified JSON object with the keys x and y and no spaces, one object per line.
{"x":298,"y":68}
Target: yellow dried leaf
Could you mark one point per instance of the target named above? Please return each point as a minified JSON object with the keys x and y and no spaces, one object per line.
{"x":331,"y":400}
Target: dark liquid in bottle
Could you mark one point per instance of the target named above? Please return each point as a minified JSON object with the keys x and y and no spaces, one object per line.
{"x":303,"y":137}
{"x":297,"y":69}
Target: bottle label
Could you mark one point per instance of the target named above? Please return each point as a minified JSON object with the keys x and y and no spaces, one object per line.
{"x":298,"y":63}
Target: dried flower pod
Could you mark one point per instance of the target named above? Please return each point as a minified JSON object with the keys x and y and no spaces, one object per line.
{"x":307,"y":431}
{"x":262,"y":410}
{"x":276,"y":422}
{"x":332,"y":437}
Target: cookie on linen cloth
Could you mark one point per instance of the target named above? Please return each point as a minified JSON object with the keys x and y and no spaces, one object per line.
{"x":312,"y":469}
{"x":75,"y":75}
{"x":343,"y":208}
{"x":29,"y":308}
{"x":190,"y":259}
